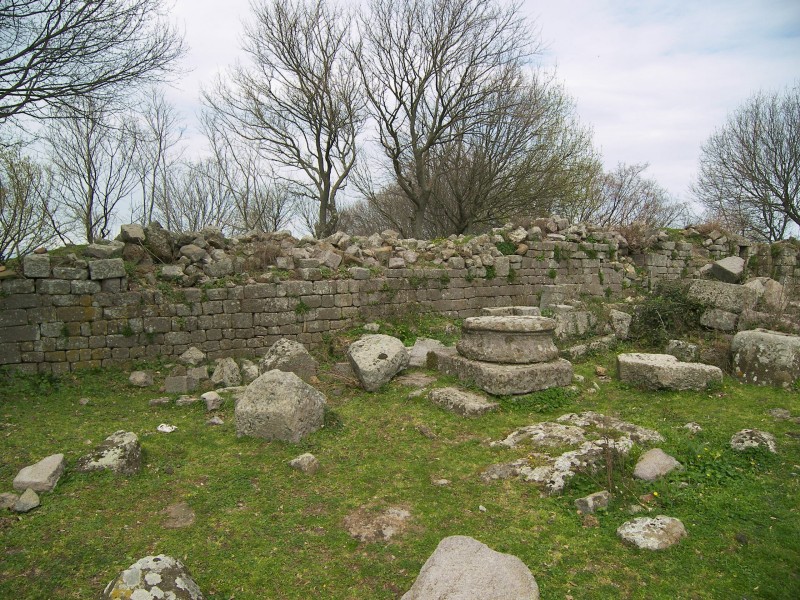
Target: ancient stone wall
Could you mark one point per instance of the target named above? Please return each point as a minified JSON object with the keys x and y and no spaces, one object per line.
{"x":56,"y":316}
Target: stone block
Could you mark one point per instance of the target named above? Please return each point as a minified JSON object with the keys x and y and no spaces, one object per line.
{"x":725,"y":296}
{"x":517,"y":340}
{"x":36,"y":265}
{"x":180,"y":384}
{"x":106,"y":268}
{"x":41,"y":476}
{"x":466,"y":404}
{"x":729,"y":269}
{"x":664,"y":371}
{"x":720,"y":320}
{"x":500,"y":380}
{"x":765,"y":357}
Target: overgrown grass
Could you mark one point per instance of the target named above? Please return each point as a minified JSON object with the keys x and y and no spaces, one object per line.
{"x":263,"y":530}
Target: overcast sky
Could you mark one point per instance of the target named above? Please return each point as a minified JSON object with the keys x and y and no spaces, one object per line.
{"x":653,"y":78}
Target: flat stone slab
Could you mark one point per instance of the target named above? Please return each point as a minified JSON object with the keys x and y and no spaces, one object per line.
{"x":655,"y":464}
{"x":544,"y":434}
{"x":509,"y":324}
{"x":753,"y":438}
{"x":42,"y":476}
{"x":501,"y":380}
{"x":664,"y":371}
{"x":765,"y":357}
{"x":461,"y":402}
{"x":655,"y":533}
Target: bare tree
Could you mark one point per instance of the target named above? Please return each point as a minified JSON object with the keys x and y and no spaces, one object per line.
{"x":300,"y":98}
{"x":26,"y":213}
{"x":54,"y":52}
{"x":92,"y":152}
{"x":429,"y":69}
{"x":750,"y":167}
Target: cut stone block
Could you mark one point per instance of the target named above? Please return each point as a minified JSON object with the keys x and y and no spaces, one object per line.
{"x":375,"y":359}
{"x":179,"y":384}
{"x":725,"y":296}
{"x":765,"y":357}
{"x":418,"y":355}
{"x":42,"y":476}
{"x":721,"y":320}
{"x":664,"y":371}
{"x":729,"y":269}
{"x":514,"y":339}
{"x":460,"y":402}
{"x":500,"y":380}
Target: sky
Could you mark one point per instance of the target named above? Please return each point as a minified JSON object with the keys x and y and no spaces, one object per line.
{"x":652,"y":78}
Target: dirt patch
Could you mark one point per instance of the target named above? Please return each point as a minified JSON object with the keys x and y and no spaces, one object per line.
{"x":368,"y":526}
{"x":178,"y":516}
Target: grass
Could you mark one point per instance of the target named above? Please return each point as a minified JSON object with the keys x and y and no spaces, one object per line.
{"x":265,"y":531}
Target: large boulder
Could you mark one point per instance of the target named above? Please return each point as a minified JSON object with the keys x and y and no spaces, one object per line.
{"x":153,"y":577}
{"x":664,"y":371}
{"x":375,"y":359}
{"x":462,"y":568}
{"x":291,"y":357}
{"x":120,"y":453}
{"x":159,"y":242}
{"x":725,"y":296}
{"x":279,"y":406}
{"x":41,"y":476}
{"x":765,"y":357}
{"x":771,"y":293}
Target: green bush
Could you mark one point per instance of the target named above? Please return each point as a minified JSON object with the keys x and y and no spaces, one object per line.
{"x":506,"y":248}
{"x":667,"y":313}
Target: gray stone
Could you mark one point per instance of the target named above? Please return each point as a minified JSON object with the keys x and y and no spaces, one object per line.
{"x":226,"y":373}
{"x":41,"y":476}
{"x":159,"y":242}
{"x":359,"y":273}
{"x":279,"y":406}
{"x":504,"y":471}
{"x":693,"y":427}
{"x":418,"y":355}
{"x":462,"y":568}
{"x":8,"y":500}
{"x":603,"y":423}
{"x":193,"y":253}
{"x":682,"y":350}
{"x":186,"y":400}
{"x":141,"y":379}
{"x":104,"y":250}
{"x":249,"y":371}
{"x":152,"y":578}
{"x":544,"y":434}
{"x":172,"y":271}
{"x":725,"y":296}
{"x":375,"y":359}
{"x":106,"y":269}
{"x":199,"y":373}
{"x":162,"y":401}
{"x":36,"y":265}
{"x":291,"y":357}
{"x":215,"y":421}
{"x":771,"y":294}
{"x":132,"y":233}
{"x":193,"y":357}
{"x":307,"y":463}
{"x":590,"y":504}
{"x":655,"y":464}
{"x":119,"y":453}
{"x":664,"y":371}
{"x":461,"y":402}
{"x":729,"y":269}
{"x":213,"y":400}
{"x":511,"y":339}
{"x":500,"y":379}
{"x":652,"y":533}
{"x":620,"y":323}
{"x":26,"y":502}
{"x":508,"y":311}
{"x":219,"y":268}
{"x":721,"y":320}
{"x":574,"y":323}
{"x":753,"y":438}
{"x":764,"y":357}
{"x":180,"y":384}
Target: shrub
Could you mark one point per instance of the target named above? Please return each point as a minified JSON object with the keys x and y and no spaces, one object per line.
{"x":666,"y":313}
{"x":506,"y":248}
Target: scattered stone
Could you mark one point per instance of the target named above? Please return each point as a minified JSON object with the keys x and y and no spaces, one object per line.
{"x":8,"y":500}
{"x":640,"y":435}
{"x":664,"y":371}
{"x":504,"y":471}
{"x":418,"y":355}
{"x":578,"y":378}
{"x":192,"y":357}
{"x":593,"y":502}
{"x":141,"y":379}
{"x":164,"y":428}
{"x":119,"y":453}
{"x":481,"y":508}
{"x":544,"y":434}
{"x":26,"y":502}
{"x":291,"y":357}
{"x":753,"y":438}
{"x":729,"y":269}
{"x":179,"y":515}
{"x":510,"y":339}
{"x":84,"y":401}
{"x":307,"y":463}
{"x":41,"y":476}
{"x":367,"y":526}
{"x":180,"y":384}
{"x":375,"y":359}
{"x":162,"y":401}
{"x":441,"y":482}
{"x":655,"y":533}
{"x":682,"y":350}
{"x":200,"y":373}
{"x":213,"y":400}
{"x":226,"y":373}
{"x":372,"y":327}
{"x":426,"y":432}
{"x":466,"y":404}
{"x":154,"y":577}
{"x":215,"y":421}
{"x":764,"y":357}
{"x":462,"y":568}
{"x":279,"y":406}
{"x":655,"y":464}
{"x":771,"y":293}
{"x":600,"y":371}
{"x":693,"y":428}
{"x":780,"y":414}
{"x":573,"y":323}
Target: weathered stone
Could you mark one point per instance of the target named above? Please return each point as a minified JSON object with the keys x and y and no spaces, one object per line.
{"x":461,"y":402}
{"x":721,"y":320}
{"x":652,"y":533}
{"x":766,"y":357}
{"x":664,"y":371}
{"x":193,"y":357}
{"x":462,"y":568}
{"x":41,"y":476}
{"x":172,"y":271}
{"x":512,"y":339}
{"x":574,"y":323}
{"x":159,"y":242}
{"x":36,"y":265}
{"x":193,"y":253}
{"x":504,"y":471}
{"x":590,"y":504}
{"x":375,"y":359}
{"x":200,"y":373}
{"x":179,"y":384}
{"x":106,"y":269}
{"x":601,"y":422}
{"x":367,"y":526}
{"x":682,"y":350}
{"x":544,"y":434}
{"x":132,"y":233}
{"x":215,"y":421}
{"x":141,"y":379}
{"x":226,"y":373}
{"x":359,"y":273}
{"x":186,"y":400}
{"x":753,"y":438}
{"x":418,"y":355}
{"x":508,"y":311}
{"x":213,"y":400}
{"x":8,"y":500}
{"x":219,"y":268}
{"x":249,"y":371}
{"x":179,"y":515}
{"x":162,"y":401}
{"x":26,"y":502}
{"x":152,"y":578}
{"x":500,"y":380}
{"x":654,"y":464}
{"x":307,"y":463}
{"x":729,"y":269}
{"x":620,"y":323}
{"x":725,"y":296}
{"x":291,"y":357}
{"x":104,"y":250}
{"x":120,"y":453}
{"x":279,"y":406}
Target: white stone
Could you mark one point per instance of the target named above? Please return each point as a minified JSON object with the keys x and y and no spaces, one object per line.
{"x":652,"y":533}
{"x":375,"y":359}
{"x":41,"y":476}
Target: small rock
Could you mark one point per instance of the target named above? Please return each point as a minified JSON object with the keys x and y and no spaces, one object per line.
{"x":441,"y":482}
{"x":42,"y":476}
{"x":578,"y":378}
{"x":84,"y":401}
{"x":426,"y":432}
{"x":192,"y":357}
{"x":655,"y":464}
{"x":652,"y":533}
{"x":215,"y":421}
{"x":600,"y":371}
{"x":779,"y":413}
{"x":162,"y":401}
{"x":481,"y":508}
{"x":372,"y":328}
{"x":307,"y":463}
{"x":179,"y":384}
{"x":213,"y":401}
{"x":226,"y":373}
{"x":26,"y":502}
{"x":742,"y":539}
{"x":589,"y":521}
{"x":164,"y":428}
{"x":693,"y":428}
{"x":753,"y":438}
{"x":186,"y":400}
{"x":154,"y":577}
{"x":593,"y":502}
{"x":141,"y":379}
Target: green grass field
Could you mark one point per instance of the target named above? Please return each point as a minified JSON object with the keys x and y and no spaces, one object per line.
{"x":263,"y":530}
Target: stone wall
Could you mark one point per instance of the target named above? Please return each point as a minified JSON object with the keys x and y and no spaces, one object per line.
{"x":59,"y":316}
